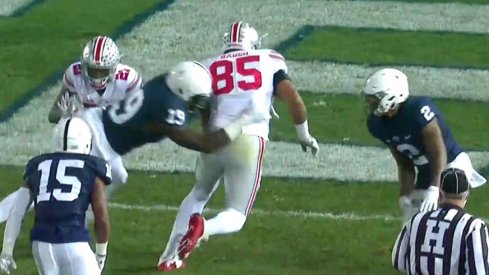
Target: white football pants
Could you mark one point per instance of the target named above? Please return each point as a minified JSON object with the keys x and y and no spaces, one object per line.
{"x":240,"y":166}
{"x":101,"y":147}
{"x":67,"y":258}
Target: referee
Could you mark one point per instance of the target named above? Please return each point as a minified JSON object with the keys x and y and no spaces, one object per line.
{"x":447,"y":241}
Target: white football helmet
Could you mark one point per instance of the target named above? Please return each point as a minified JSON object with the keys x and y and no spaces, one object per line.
{"x":389,"y":86}
{"x":99,"y":61}
{"x":192,"y":82}
{"x":241,"y":37}
{"x":73,"y":135}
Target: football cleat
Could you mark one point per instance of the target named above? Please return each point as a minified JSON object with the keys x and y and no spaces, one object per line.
{"x":194,"y":235}
{"x":170,"y":265}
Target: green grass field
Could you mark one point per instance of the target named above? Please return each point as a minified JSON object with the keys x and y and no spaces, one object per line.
{"x":299,"y":226}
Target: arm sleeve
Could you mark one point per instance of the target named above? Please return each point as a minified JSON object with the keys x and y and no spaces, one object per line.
{"x":477,"y":249}
{"x":400,"y":248}
{"x":134,"y":81}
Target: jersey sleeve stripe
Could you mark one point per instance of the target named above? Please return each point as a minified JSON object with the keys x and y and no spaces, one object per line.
{"x":68,"y":81}
{"x":134,"y":83}
{"x":235,"y":29}
{"x":276,"y":56}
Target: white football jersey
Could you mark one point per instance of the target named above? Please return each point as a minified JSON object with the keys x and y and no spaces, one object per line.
{"x":126,"y":79}
{"x":242,"y":80}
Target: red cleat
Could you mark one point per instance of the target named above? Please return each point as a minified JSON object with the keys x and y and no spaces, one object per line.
{"x":170,"y":265}
{"x":194,"y":235}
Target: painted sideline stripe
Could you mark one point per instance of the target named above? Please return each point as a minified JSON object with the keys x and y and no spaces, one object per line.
{"x":348,"y":216}
{"x":345,"y":216}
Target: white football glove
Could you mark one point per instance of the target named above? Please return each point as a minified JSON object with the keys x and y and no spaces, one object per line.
{"x":101,"y":260}
{"x":7,"y":263}
{"x":310,"y":142}
{"x":69,"y":104}
{"x":430,"y":200}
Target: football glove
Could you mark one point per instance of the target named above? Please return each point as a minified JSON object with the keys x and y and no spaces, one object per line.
{"x":310,"y":142}
{"x":69,"y":104}
{"x":7,"y":263}
{"x":430,"y":200}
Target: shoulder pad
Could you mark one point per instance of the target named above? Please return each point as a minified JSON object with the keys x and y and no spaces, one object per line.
{"x":127,"y":78}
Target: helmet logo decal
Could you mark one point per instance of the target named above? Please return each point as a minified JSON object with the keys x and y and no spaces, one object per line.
{"x":235,"y":30}
{"x":98,"y":49}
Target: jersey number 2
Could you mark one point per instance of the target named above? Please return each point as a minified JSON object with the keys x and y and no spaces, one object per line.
{"x":248,"y":76}
{"x":62,"y":178}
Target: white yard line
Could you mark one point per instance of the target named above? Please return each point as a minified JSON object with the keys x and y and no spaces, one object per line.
{"x":345,"y":216}
{"x":348,"y":216}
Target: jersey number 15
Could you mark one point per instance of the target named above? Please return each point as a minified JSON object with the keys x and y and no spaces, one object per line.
{"x":62,"y":178}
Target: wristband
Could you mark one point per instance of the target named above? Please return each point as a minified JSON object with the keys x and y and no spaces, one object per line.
{"x":302,"y":130}
{"x":101,"y":248}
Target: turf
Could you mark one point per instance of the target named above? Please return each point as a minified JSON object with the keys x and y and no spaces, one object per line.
{"x":392,"y":47}
{"x":272,"y":243}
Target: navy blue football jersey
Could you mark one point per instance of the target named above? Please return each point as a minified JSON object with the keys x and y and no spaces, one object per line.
{"x":61,"y":185}
{"x":126,"y":123}
{"x":403,"y":132}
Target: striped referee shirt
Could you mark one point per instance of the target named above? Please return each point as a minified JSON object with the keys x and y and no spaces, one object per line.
{"x":446,"y":241}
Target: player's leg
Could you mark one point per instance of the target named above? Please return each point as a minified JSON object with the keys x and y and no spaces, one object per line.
{"x":76,"y":259}
{"x":208,"y":172}
{"x":45,"y":258}
{"x":462,"y":162}
{"x":242,"y":176}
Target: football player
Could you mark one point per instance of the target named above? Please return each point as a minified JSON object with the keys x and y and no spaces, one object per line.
{"x":98,"y":79}
{"x":418,"y":137}
{"x":241,"y":75}
{"x":161,"y":109}
{"x":62,"y":185}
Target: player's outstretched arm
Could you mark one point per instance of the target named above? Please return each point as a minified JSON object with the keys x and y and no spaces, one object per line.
{"x":12,"y":229}
{"x":435,"y":150}
{"x":102,"y":224}
{"x":405,"y":172}
{"x":407,"y":177}
{"x":286,"y":92}
{"x":207,"y":142}
{"x":56,"y":112}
